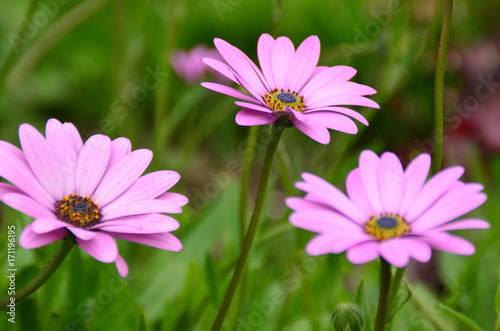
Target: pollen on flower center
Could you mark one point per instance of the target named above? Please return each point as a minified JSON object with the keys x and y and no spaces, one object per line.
{"x":279,"y":99}
{"x":79,"y":211}
{"x":387,"y":226}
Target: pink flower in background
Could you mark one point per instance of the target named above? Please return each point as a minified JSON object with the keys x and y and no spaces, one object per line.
{"x":95,"y":190}
{"x":388,"y":211}
{"x":292,"y":87}
{"x":189,"y":66}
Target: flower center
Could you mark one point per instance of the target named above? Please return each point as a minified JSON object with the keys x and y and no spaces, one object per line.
{"x":279,"y":99}
{"x":387,"y":226}
{"x":79,"y":211}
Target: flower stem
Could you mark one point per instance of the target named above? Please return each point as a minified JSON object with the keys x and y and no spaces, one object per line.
{"x":393,"y":293}
{"x":272,"y":147}
{"x":439,"y":86}
{"x":62,"y":251}
{"x":383,"y":301}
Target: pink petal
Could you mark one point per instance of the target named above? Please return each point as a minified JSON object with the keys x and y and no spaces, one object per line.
{"x":395,"y":251}
{"x":228,"y":91}
{"x":365,"y":252}
{"x":253,"y":106}
{"x":244,"y":67}
{"x":65,"y":142}
{"x":326,"y":76}
{"x":27,"y":205}
{"x":165,"y":241}
{"x":6,"y":189}
{"x":138,"y":208}
{"x":281,"y":56}
{"x":45,"y":225}
{"x":122,"y":175}
{"x":314,"y":130}
{"x":324,"y":222}
{"x":333,"y":243}
{"x":301,"y":204}
{"x":419,"y":250}
{"x":324,"y":100}
{"x":432,"y":190}
{"x":415,"y":175}
{"x":303,"y":63}
{"x":333,"y":121}
{"x":323,"y":192}
{"x":357,"y":194}
{"x":91,"y":164}
{"x":42,"y":160}
{"x":247,"y":117}
{"x":470,"y":223}
{"x":121,"y":266}
{"x":29,"y":239}
{"x":391,"y":182}
{"x":264,"y":49}
{"x":449,"y":243}
{"x":149,"y":223}
{"x":453,"y":204}
{"x":342,"y":110}
{"x":369,"y":165}
{"x":119,"y":148}
{"x":15,"y":169}
{"x":220,"y":67}
{"x":102,"y":247}
{"x":175,"y":199}
{"x":82,"y":234}
{"x":147,"y":187}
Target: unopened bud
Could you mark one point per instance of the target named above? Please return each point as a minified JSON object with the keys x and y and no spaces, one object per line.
{"x":348,"y":316}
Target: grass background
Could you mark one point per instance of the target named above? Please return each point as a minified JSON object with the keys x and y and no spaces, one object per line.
{"x":86,"y":62}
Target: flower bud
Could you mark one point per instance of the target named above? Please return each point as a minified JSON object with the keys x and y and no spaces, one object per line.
{"x":348,"y":316}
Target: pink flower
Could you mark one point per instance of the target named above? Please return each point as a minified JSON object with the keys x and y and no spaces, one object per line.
{"x":189,"y":66}
{"x":291,"y":87}
{"x":93,"y":190}
{"x":388,"y":211}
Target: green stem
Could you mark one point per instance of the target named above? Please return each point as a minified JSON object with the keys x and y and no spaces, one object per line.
{"x":272,"y":147}
{"x":383,"y":301}
{"x":66,"y":244}
{"x":439,"y":86}
{"x":11,"y":58}
{"x":393,"y":293}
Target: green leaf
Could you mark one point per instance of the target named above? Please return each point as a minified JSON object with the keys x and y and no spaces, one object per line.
{"x":211,"y":278}
{"x":497,"y":303}
{"x":466,"y":320}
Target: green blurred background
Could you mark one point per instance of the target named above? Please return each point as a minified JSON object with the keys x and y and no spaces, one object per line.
{"x":88,"y":62}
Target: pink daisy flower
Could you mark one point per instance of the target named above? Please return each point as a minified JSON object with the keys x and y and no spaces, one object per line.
{"x":388,"y":212}
{"x":189,"y":66}
{"x":95,"y":190}
{"x":291,"y":87}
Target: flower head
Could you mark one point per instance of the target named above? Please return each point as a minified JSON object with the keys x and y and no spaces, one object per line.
{"x":95,"y":190}
{"x":189,"y":66}
{"x":291,"y":87}
{"x":388,"y":211}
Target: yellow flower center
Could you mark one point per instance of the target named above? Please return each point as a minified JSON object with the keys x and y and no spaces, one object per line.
{"x":387,"y":226}
{"x":279,"y":99}
{"x":80,"y":211}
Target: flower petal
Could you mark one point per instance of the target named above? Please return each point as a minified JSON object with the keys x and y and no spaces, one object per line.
{"x":325,"y":75}
{"x":119,"y":148}
{"x":15,"y":169}
{"x":324,"y":222}
{"x":365,"y":252}
{"x":333,"y":243}
{"x":149,"y":223}
{"x":122,"y":175}
{"x":27,"y":205}
{"x":45,"y":225}
{"x":42,"y":160}
{"x":6,"y":189}
{"x":102,"y":247}
{"x":357,"y":194}
{"x":303,"y":63}
{"x":165,"y":241}
{"x":391,"y":182}
{"x":175,"y":199}
{"x":341,"y":110}
{"x":415,"y":175}
{"x":220,"y":67}
{"x":369,"y":165}
{"x":314,"y":130}
{"x":449,"y":243}
{"x":228,"y":91}
{"x":248,"y":117}
{"x":264,"y":49}
{"x":121,"y":266}
{"x":82,"y":234}
{"x":395,"y":251}
{"x":30,"y":239}
{"x":281,"y":56}
{"x":138,"y":208}
{"x":470,"y":223}
{"x":333,"y":121}
{"x":91,"y":164}
{"x":419,"y":250}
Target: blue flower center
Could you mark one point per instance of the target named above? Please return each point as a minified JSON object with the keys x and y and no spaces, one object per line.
{"x":387,"y":222}
{"x":79,"y":211}
{"x":286,"y":97}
